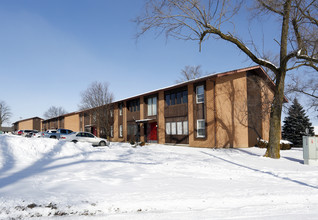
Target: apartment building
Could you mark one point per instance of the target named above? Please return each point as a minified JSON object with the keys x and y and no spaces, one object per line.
{"x":34,"y":123}
{"x":229,"y":109}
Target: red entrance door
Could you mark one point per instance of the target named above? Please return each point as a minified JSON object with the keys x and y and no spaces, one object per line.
{"x":94,"y":131}
{"x":152,"y":135}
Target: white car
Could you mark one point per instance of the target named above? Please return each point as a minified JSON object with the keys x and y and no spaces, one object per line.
{"x":86,"y":137}
{"x":38,"y":134}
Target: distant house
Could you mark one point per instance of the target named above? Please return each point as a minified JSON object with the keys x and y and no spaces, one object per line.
{"x":34,"y":123}
{"x":229,"y":109}
{"x":6,"y":129}
{"x":68,"y":121}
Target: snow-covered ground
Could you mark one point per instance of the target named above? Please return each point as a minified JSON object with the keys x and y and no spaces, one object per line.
{"x":48,"y":179}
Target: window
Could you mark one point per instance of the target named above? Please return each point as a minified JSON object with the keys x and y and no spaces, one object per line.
{"x":168,"y":99}
{"x":168,"y":128}
{"x":111,"y":131}
{"x":94,"y":117}
{"x":200,"y":94}
{"x":179,"y":95}
{"x":185,"y":97}
{"x":134,"y":106}
{"x":120,"y":109}
{"x":173,"y":128}
{"x":173,"y":99}
{"x":111,"y":113}
{"x":149,"y":106}
{"x":179,"y":128}
{"x":201,"y":128}
{"x":185,"y":128}
{"x":132,"y":129}
{"x":176,"y":97}
{"x":120,"y":130}
{"x":138,"y":105}
{"x":80,"y":134}
{"x":89,"y":135}
{"x":152,"y":106}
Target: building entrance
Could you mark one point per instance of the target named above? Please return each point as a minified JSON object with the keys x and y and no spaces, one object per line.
{"x":152,"y":132}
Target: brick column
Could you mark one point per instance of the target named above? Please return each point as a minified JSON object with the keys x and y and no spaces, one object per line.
{"x":125,"y":121}
{"x":115,"y":126}
{"x":161,"y":118}
{"x":142,"y":109}
{"x":190,"y":114}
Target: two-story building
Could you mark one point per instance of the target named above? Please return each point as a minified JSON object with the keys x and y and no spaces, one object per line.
{"x":229,"y":109}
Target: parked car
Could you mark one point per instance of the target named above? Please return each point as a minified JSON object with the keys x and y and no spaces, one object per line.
{"x":24,"y":133}
{"x":86,"y":137}
{"x":30,"y":133}
{"x":57,"y":134}
{"x":38,"y":134}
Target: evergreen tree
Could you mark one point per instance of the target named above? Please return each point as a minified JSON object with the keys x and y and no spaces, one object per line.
{"x":295,"y":124}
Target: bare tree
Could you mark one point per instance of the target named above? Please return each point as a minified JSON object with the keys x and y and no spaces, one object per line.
{"x":5,"y":113}
{"x":308,"y":87}
{"x":190,"y":72}
{"x":200,"y":20}
{"x":54,"y":111}
{"x":97,"y":99}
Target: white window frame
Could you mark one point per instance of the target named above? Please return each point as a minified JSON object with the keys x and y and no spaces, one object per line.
{"x":185,"y":127}
{"x":173,"y":128}
{"x":112,"y":131}
{"x":198,"y":96}
{"x":120,"y":130}
{"x":149,"y":105}
{"x":200,"y":128}
{"x":168,"y":128}
{"x":179,"y":128}
{"x":152,"y":106}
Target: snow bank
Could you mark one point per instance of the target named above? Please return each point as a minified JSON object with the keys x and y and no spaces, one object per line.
{"x":46,"y":178}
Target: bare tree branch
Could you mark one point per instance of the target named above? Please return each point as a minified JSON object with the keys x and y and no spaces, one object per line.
{"x":54,"y":111}
{"x":5,"y":113}
{"x":190,"y":72}
{"x":199,"y":20}
{"x":97,"y":99}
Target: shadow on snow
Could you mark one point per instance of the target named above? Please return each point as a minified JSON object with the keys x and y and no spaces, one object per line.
{"x":262,"y":172}
{"x":42,"y":165}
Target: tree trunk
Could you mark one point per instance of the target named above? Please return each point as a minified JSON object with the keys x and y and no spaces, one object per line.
{"x":273,"y":149}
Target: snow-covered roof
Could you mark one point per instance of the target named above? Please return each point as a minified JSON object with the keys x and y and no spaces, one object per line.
{"x":219,"y":74}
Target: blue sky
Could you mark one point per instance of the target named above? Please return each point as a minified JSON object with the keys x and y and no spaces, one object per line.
{"x":51,"y":50}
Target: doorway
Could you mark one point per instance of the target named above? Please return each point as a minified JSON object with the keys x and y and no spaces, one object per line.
{"x":152,"y":136}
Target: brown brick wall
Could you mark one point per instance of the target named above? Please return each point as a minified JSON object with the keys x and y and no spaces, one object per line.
{"x":231,"y":108}
{"x":72,"y":122}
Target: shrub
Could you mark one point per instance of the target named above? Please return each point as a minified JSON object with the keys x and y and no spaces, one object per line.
{"x":284,"y":145}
